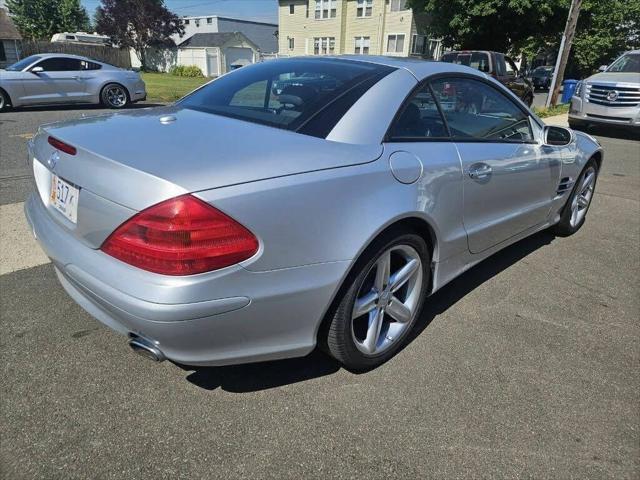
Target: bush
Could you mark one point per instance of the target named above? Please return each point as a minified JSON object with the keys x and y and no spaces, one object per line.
{"x":186,"y":71}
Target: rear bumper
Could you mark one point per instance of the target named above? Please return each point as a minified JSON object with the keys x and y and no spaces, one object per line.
{"x":224,"y":317}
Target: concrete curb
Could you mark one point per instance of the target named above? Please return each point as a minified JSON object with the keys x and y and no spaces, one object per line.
{"x":558,"y":120}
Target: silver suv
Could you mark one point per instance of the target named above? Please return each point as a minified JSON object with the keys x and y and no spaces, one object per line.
{"x":610,"y":97}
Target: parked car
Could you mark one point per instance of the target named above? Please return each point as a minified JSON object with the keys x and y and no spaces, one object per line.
{"x":82,"y":38}
{"x":50,"y":78}
{"x":326,"y":220}
{"x":541,"y":77}
{"x":499,"y":66}
{"x":611,"y":97}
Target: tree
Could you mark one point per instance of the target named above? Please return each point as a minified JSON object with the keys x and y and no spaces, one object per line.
{"x":501,"y":25}
{"x":73,"y":16}
{"x":605,"y":27}
{"x":137,"y":24}
{"x":40,"y":19}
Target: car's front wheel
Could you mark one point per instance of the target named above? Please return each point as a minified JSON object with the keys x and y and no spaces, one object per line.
{"x":114,"y":96}
{"x":4,"y":101}
{"x":381,"y":302}
{"x":577,"y":206}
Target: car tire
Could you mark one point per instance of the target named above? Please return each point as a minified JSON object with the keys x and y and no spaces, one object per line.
{"x":577,"y":126}
{"x":114,"y":95}
{"x":575,"y":210}
{"x":363,"y":342}
{"x":4,"y":101}
{"x":528,"y":99}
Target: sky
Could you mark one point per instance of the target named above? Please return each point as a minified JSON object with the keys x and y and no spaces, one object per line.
{"x":261,"y":10}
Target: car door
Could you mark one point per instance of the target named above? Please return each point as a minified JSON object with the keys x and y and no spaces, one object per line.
{"x":59,"y":81}
{"x":509,"y":179}
{"x":421,"y":155}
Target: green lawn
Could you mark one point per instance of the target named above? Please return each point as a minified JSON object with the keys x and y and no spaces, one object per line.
{"x":162,"y":87}
{"x":551,"y":111}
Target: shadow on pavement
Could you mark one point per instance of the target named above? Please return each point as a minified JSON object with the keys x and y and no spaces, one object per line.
{"x":83,"y":106}
{"x":614,"y":132}
{"x":261,"y":376}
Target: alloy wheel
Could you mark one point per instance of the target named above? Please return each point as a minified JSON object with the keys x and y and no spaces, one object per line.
{"x":116,"y":96}
{"x":582,"y":198}
{"x":387,"y":300}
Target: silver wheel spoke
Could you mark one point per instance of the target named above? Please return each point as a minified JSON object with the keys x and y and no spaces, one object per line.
{"x":398,"y":279}
{"x":383,"y":312}
{"x":399,"y":311}
{"x":373,"y":330}
{"x":365,"y":304}
{"x":383,"y":271}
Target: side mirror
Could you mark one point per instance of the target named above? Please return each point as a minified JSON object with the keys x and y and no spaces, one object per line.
{"x":557,"y":136}
{"x":37,"y":70}
{"x":602,"y":68}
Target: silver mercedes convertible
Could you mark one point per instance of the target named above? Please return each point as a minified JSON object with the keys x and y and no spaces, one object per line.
{"x":298,"y":202}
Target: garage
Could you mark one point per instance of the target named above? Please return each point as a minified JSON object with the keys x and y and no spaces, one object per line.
{"x":217,"y":53}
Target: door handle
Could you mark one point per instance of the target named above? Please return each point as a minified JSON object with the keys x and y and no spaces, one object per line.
{"x":479,"y":170}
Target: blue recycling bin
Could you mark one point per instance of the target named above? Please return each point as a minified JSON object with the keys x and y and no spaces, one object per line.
{"x":568,"y":89}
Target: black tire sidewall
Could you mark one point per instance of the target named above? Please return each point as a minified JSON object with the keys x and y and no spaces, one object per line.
{"x":4,"y":106}
{"x":340,"y":328}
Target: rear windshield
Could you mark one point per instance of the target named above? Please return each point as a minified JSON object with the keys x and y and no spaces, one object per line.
{"x":284,"y":93}
{"x":22,"y":64}
{"x":477,"y":60}
{"x":542,"y":70}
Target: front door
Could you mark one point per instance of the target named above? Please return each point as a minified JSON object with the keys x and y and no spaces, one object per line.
{"x":509,"y":180}
{"x":59,"y":81}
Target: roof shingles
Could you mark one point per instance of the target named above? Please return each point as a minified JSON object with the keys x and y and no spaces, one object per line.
{"x":8,"y":30}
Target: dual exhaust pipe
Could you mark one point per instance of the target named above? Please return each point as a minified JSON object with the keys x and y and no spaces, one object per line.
{"x":146,"y":348}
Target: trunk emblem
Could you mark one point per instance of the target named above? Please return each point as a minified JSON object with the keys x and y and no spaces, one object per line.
{"x":53,"y":160}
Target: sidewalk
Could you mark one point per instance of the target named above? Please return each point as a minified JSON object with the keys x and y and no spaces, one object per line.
{"x":559,"y":120}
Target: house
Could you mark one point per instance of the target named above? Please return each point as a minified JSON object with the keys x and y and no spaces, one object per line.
{"x":258,"y":36}
{"x":9,"y":40}
{"x":263,"y":35}
{"x":374,"y":27}
{"x":217,"y":53}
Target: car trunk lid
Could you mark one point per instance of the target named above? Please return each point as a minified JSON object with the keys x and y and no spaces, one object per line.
{"x":129,"y":161}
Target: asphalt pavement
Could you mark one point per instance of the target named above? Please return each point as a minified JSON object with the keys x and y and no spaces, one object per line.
{"x":524,"y":367}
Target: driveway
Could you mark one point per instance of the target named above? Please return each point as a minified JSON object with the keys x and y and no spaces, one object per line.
{"x":525,"y":367}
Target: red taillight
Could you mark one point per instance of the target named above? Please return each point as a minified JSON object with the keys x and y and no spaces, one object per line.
{"x":63,"y":147}
{"x":181,"y":236}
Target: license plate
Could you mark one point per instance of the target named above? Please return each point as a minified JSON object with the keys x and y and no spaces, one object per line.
{"x":64,"y":198}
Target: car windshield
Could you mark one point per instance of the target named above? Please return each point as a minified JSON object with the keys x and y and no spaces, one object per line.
{"x":24,"y":63}
{"x":629,"y":63}
{"x":542,"y":70}
{"x":282,"y":93}
{"x":477,"y":60}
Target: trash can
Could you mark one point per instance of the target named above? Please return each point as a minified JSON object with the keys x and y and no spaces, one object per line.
{"x":568,"y":89}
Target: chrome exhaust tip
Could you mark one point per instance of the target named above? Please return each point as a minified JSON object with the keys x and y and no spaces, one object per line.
{"x":146,"y":348}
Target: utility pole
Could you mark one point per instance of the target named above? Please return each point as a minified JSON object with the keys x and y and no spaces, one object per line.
{"x":563,"y":55}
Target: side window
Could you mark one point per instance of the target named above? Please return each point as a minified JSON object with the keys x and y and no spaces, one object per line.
{"x":86,"y":65}
{"x":512,"y":71}
{"x":60,"y":64}
{"x":500,"y":65}
{"x":419,"y":118}
{"x":475,"y":110}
